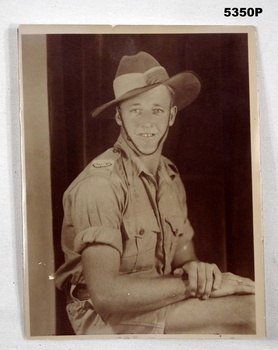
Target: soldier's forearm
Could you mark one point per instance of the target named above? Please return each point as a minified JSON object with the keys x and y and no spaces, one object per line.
{"x":127,"y":294}
{"x":115,"y":293}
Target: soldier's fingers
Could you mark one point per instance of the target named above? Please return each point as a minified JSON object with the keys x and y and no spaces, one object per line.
{"x":209,"y":281}
{"x":178,"y":272}
{"x":244,"y":289}
{"x":201,"y":279}
{"x":250,"y":283}
{"x":217,"y":277}
{"x":192,"y":278}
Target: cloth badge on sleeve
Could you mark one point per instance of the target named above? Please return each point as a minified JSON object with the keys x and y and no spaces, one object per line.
{"x":103,"y":163}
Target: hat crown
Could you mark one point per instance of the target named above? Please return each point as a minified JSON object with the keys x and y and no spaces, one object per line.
{"x":137,"y":71}
{"x":139,"y":63}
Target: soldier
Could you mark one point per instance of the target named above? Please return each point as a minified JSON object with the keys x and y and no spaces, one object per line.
{"x":130,"y":262}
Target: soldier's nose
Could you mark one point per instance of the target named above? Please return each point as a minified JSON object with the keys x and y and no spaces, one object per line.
{"x":147,"y":124}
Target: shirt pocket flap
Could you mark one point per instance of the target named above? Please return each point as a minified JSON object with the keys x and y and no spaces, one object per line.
{"x":176,"y":224}
{"x":140,"y":225}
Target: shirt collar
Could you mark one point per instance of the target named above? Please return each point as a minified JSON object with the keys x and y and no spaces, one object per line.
{"x":167,"y":169}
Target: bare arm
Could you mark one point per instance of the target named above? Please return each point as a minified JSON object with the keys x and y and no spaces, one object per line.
{"x":115,"y":293}
{"x":184,"y":253}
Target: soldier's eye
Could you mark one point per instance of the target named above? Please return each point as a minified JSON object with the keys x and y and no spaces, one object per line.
{"x":135,"y":111}
{"x":158,"y":110}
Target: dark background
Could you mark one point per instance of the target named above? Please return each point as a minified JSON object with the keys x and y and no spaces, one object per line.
{"x":209,"y":143}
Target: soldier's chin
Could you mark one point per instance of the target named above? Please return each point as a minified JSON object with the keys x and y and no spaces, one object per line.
{"x":145,"y":147}
{"x":147,"y":150}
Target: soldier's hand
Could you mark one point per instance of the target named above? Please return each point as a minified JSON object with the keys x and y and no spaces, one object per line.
{"x":233,"y":284}
{"x":203,"y":278}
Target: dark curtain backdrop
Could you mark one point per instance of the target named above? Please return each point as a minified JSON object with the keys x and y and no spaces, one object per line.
{"x":209,"y":143}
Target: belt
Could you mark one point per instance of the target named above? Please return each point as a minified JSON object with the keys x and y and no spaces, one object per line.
{"x":80,"y":292}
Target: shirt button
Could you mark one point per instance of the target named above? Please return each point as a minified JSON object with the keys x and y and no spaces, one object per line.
{"x":115,"y":150}
{"x":141,"y":232}
{"x":176,"y":231}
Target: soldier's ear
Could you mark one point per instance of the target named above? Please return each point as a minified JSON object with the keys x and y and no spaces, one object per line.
{"x":118,"y":116}
{"x":173,"y":113}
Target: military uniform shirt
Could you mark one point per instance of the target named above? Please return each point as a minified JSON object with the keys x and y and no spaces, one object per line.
{"x":116,"y":202}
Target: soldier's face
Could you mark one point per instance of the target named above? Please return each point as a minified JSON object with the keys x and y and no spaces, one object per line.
{"x":147,"y":117}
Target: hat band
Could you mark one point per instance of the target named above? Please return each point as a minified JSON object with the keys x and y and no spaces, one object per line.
{"x":127,"y":82}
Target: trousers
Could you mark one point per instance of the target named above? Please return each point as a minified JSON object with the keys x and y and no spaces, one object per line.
{"x":226,"y":315}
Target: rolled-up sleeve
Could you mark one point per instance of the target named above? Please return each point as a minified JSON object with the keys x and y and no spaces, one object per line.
{"x":93,"y":210}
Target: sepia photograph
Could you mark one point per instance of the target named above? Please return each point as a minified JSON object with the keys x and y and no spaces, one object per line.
{"x":141,"y":182}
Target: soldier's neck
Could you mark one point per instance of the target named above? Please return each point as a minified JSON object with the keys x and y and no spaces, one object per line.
{"x":151,"y":162}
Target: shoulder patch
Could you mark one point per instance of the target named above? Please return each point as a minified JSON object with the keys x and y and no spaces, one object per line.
{"x":103,"y":163}
{"x":106,"y":160}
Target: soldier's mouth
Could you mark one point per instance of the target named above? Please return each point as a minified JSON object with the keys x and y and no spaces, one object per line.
{"x":146,"y":135}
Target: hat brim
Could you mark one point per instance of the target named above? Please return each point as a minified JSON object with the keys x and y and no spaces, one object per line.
{"x":186,"y":86}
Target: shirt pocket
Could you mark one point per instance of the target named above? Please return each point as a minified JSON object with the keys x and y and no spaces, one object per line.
{"x":139,"y":245}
